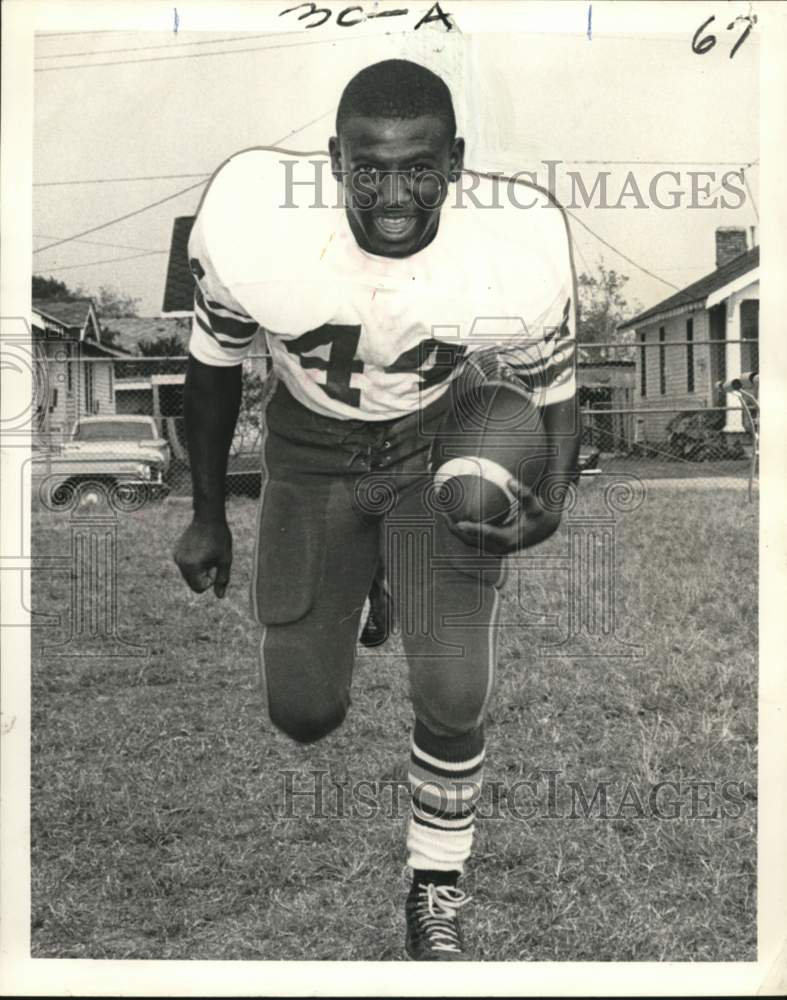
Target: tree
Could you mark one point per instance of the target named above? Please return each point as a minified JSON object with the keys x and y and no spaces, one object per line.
{"x":110,"y":302}
{"x":602,"y":308}
{"x":109,"y":338}
{"x":166,"y":346}
{"x":52,"y":289}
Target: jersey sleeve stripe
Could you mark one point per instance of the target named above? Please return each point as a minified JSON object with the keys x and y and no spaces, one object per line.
{"x":232,"y":343}
{"x":545,"y":380}
{"x":559,"y":371}
{"x":559,"y":393}
{"x":536,"y":358}
{"x":221,"y":310}
{"x":205,"y":348}
{"x":545,"y":376}
{"x":233,"y":329}
{"x":540,"y":359}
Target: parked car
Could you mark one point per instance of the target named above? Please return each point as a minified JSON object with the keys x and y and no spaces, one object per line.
{"x":102,"y":452}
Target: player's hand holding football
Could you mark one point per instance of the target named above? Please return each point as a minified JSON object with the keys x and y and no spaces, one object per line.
{"x":204,"y":556}
{"x":531,"y":523}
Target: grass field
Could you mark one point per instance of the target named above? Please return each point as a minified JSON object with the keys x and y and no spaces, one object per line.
{"x":159,"y":826}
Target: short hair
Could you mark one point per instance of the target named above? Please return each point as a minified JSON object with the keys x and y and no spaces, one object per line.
{"x":396,"y":88}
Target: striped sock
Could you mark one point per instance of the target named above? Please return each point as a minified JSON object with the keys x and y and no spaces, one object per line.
{"x":445,"y":783}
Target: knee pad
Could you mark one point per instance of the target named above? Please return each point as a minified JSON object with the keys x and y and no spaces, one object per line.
{"x":306,"y":727}
{"x":288,"y":562}
{"x":451,"y":712}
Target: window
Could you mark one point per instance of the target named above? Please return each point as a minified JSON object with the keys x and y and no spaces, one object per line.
{"x":643,"y":372}
{"x":750,"y":323}
{"x":689,"y":355}
{"x":114,"y":430}
{"x":88,"y":387}
{"x":662,"y":362}
{"x":69,"y":371}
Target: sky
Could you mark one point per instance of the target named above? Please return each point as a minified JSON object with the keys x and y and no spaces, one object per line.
{"x":522,"y":98}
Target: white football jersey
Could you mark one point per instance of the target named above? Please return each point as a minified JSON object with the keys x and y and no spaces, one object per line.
{"x":358,"y":336}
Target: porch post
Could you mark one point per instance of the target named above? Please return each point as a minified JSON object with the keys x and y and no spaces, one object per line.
{"x":156,"y":405}
{"x":733,"y":418}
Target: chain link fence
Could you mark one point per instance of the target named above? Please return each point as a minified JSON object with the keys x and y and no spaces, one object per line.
{"x":671,"y":409}
{"x":118,"y":423}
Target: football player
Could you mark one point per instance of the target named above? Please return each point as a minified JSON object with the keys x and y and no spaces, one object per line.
{"x":374,"y":310}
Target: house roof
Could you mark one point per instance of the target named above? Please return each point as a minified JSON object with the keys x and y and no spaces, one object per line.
{"x":71,"y":313}
{"x":74,"y":314}
{"x":698,"y":291}
{"x":179,"y":286}
{"x":606,"y":363}
{"x":46,"y":322}
{"x":99,"y":350}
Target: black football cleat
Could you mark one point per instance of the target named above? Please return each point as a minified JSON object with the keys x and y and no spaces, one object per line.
{"x":432,"y":915}
{"x":378,"y":622}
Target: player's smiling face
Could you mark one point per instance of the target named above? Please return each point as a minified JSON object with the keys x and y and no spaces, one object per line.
{"x":395,"y":174}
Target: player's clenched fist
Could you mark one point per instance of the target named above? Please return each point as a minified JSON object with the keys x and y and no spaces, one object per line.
{"x":204,"y":556}
{"x":529,"y":524}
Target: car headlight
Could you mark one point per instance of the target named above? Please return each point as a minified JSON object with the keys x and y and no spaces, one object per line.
{"x":143,"y":471}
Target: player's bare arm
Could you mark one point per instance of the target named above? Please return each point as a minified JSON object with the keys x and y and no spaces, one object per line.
{"x":211,"y":404}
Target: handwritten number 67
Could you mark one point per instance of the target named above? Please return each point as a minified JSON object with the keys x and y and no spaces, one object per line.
{"x":701,"y":44}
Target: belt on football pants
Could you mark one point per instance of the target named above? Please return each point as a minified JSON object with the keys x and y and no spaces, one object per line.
{"x":369,"y":445}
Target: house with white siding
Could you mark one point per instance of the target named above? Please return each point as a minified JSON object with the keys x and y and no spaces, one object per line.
{"x":692,"y":341}
{"x":79,"y":368}
{"x":152,"y":386}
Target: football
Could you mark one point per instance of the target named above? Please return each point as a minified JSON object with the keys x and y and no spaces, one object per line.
{"x":492,"y":433}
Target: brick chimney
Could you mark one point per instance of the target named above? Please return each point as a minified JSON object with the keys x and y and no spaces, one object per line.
{"x":730,"y":243}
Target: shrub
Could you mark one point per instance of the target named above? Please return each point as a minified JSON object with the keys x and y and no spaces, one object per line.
{"x":698,"y":436}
